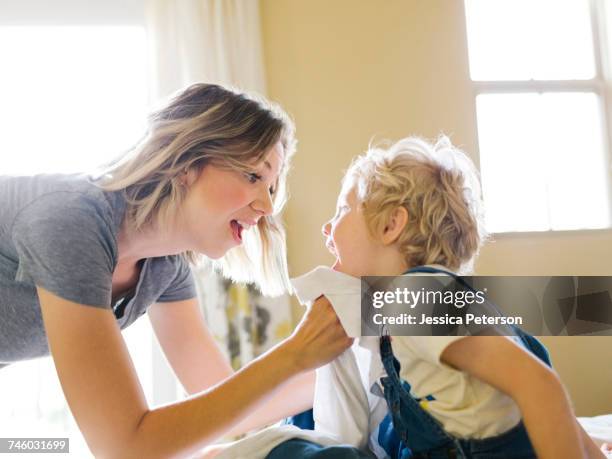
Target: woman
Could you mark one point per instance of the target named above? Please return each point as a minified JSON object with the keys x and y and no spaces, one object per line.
{"x":82,"y":258}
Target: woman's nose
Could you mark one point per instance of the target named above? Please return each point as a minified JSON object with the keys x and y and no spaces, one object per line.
{"x":264,"y":204}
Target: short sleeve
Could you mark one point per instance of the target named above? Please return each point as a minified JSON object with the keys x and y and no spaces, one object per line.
{"x":65,"y":244}
{"x":429,"y":348}
{"x":183,"y":285}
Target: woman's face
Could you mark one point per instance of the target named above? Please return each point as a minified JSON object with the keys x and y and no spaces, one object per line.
{"x":221,"y":204}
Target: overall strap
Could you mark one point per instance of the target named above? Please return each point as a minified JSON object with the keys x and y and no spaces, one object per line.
{"x":432,"y":270}
{"x":429,"y":270}
{"x":407,"y":430}
{"x":389,"y":361}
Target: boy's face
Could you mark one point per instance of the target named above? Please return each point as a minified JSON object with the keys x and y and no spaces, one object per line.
{"x":348,"y":238}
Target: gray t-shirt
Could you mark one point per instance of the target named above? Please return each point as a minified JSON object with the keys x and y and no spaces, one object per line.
{"x":59,"y":232}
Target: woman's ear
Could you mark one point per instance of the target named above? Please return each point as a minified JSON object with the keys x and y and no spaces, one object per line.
{"x":395,"y":225}
{"x":189,"y":176}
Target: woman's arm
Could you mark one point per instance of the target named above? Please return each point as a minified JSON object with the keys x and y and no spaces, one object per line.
{"x":188,"y":345}
{"x":544,"y":404}
{"x":106,"y":399}
{"x":293,"y":397}
{"x":198,"y":362}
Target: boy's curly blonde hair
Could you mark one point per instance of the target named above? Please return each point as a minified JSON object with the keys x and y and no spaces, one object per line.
{"x":439,"y":187}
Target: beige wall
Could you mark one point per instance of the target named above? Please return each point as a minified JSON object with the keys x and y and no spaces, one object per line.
{"x":352,"y":70}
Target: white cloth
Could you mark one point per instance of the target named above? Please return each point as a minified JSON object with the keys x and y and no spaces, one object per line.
{"x":599,"y":428}
{"x":259,"y":445}
{"x":342,"y":291}
{"x":341,"y":406}
{"x":346,"y":384}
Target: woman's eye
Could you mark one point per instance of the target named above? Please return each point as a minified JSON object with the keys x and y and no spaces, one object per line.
{"x":254,"y":177}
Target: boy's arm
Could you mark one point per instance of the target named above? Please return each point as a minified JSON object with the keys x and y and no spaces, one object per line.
{"x":538,"y":392}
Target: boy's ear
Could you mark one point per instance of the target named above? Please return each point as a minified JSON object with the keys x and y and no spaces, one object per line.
{"x":395,"y":225}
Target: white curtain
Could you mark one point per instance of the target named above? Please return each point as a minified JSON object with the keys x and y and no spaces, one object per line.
{"x":215,"y":41}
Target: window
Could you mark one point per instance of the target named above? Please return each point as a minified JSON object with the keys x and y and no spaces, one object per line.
{"x":537,"y":70}
{"x":72,"y":96}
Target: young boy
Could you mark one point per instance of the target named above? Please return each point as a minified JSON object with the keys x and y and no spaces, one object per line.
{"x":411,"y":206}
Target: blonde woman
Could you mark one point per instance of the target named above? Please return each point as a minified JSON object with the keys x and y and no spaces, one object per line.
{"x":81,"y":258}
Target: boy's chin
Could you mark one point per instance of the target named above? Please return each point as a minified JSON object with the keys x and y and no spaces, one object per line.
{"x":337,"y":266}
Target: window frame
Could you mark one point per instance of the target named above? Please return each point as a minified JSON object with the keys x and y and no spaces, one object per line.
{"x":600,"y":85}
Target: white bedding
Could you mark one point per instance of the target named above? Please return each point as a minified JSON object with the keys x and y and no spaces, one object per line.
{"x":599,"y":428}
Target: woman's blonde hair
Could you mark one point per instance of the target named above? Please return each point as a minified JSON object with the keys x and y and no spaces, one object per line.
{"x":439,"y":187}
{"x":201,"y":125}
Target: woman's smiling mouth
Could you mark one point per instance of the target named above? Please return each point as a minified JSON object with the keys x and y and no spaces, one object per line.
{"x":238,"y":226}
{"x":237,"y":229}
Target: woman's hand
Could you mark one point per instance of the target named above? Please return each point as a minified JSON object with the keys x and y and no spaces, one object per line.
{"x":318,"y":338}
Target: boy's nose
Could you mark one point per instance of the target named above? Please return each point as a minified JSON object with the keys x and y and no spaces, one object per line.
{"x":325,"y":229}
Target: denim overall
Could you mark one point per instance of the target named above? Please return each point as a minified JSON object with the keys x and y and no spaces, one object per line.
{"x":409,"y":431}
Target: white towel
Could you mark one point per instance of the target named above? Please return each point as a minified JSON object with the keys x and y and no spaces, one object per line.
{"x":342,"y":406}
{"x":346,"y":405}
{"x":342,"y":291}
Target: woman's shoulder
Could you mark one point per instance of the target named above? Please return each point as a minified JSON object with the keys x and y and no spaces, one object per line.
{"x":65,"y":196}
{"x":169,"y":265}
{"x":174,"y":273}
{"x":62,"y":234}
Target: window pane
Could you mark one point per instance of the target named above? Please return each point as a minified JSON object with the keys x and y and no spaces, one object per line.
{"x":529,"y":39}
{"x":70,"y":97}
{"x":542,"y":161}
{"x":32,"y":404}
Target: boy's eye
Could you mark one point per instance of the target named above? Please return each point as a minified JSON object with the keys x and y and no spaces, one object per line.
{"x":340,"y":209}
